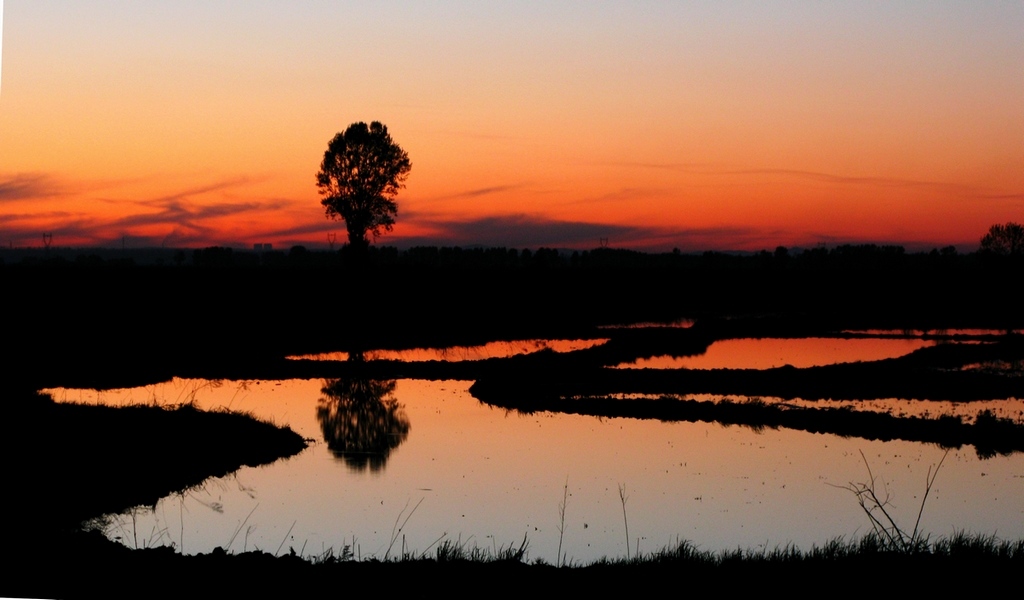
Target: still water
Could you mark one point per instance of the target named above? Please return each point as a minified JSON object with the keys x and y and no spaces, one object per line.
{"x":770,"y":353}
{"x":467,"y":472}
{"x":503,"y":349}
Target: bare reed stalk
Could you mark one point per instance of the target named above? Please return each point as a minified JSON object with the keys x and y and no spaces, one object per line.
{"x":181,"y":521}
{"x":875,"y":505}
{"x":283,"y":540}
{"x":623,"y":497}
{"x":397,"y":529}
{"x":561,"y":520}
{"x":135,"y":535}
{"x":929,"y":480}
{"x":237,"y":531}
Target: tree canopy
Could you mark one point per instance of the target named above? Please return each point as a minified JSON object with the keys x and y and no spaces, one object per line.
{"x":361,"y":173}
{"x":1007,"y":240}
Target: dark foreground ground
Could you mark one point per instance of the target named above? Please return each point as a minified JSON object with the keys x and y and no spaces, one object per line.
{"x":89,"y":567}
{"x":65,"y":465}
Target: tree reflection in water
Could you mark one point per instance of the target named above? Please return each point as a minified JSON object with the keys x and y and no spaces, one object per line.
{"x":361,"y":421}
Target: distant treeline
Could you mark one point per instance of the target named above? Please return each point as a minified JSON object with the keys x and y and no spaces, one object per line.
{"x":82,"y":315}
{"x":862,"y":256}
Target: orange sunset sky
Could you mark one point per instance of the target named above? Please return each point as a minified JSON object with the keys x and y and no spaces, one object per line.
{"x":699,"y":125}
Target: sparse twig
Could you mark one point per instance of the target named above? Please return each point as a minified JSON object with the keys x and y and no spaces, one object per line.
{"x":245,"y":544}
{"x":285,"y":538}
{"x":876,"y":504}
{"x":135,"y":535}
{"x":427,"y":549}
{"x":623,"y":497}
{"x":181,"y":521}
{"x":561,"y":520}
{"x":237,"y":531}
{"x":397,"y":529}
{"x":929,"y":480}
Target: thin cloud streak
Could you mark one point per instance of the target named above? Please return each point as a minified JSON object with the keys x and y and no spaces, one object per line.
{"x":185,"y":214}
{"x":473,"y":135}
{"x":705,"y":169}
{"x":205,"y":189}
{"x":324,"y":227}
{"x":185,"y":218}
{"x":630,"y":194}
{"x":47,"y":186}
{"x":845,"y":179}
{"x":1016,"y":197}
{"x":27,"y":186}
{"x":497,"y":189}
{"x":18,"y":217}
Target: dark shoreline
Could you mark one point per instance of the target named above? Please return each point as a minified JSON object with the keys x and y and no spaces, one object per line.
{"x":156,"y":451}
{"x":988,"y":435}
{"x":113,"y":327}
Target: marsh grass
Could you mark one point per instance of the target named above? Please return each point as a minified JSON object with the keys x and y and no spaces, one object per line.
{"x":443,"y":550}
{"x":117,"y":527}
{"x":886,"y":544}
{"x":456,"y":550}
{"x":966,"y":545}
{"x":327,"y":555}
{"x":958,"y":546}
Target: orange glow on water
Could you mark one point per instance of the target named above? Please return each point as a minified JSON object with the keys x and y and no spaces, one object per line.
{"x":771,"y":353}
{"x":462,"y":353}
{"x":490,"y":476}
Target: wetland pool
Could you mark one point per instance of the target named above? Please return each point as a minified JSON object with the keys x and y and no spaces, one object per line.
{"x":770,"y":353}
{"x":486,"y":477}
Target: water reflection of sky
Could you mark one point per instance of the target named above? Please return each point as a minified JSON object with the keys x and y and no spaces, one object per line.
{"x":1011,"y":409}
{"x":676,"y":324}
{"x":767,"y":353}
{"x":934,"y":332}
{"x":487,"y":477}
{"x":504,"y":349}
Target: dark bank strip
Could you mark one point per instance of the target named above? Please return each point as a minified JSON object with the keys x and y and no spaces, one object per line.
{"x":68,"y":463}
{"x":989,"y":435}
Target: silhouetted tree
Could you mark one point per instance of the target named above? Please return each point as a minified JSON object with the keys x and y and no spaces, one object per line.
{"x":361,"y":421}
{"x":362,"y":171}
{"x":1006,"y":240}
